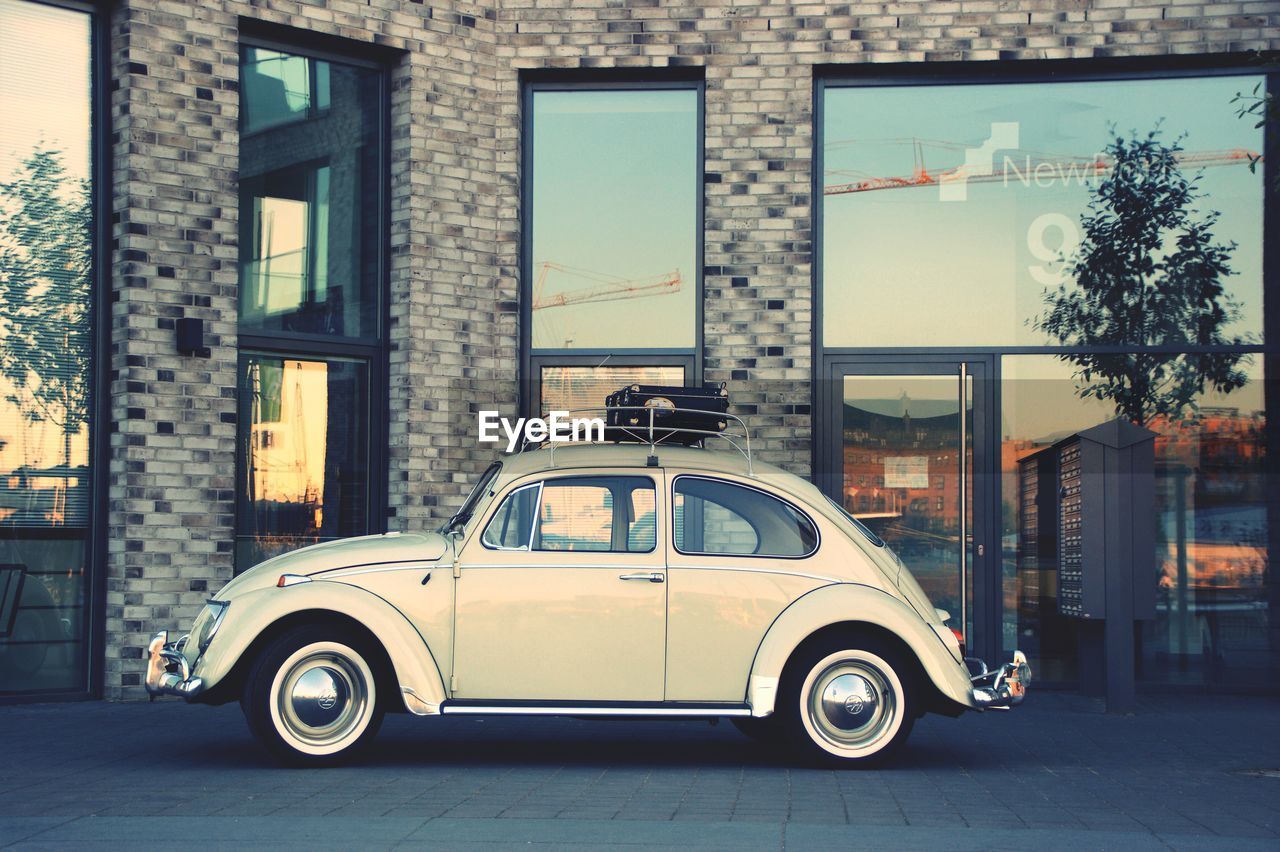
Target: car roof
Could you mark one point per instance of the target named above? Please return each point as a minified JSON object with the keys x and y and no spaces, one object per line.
{"x":573,"y":456}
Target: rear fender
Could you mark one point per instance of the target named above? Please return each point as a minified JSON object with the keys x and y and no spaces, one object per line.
{"x":849,"y":603}
{"x":253,"y":612}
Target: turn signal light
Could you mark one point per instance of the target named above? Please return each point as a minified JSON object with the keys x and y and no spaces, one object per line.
{"x":959,"y":638}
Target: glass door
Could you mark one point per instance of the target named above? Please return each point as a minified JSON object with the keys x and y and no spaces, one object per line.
{"x":907,"y":455}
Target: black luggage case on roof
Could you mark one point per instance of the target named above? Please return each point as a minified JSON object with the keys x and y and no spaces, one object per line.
{"x":703,"y":410}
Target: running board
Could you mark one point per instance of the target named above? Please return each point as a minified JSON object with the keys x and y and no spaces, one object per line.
{"x":694,"y":711}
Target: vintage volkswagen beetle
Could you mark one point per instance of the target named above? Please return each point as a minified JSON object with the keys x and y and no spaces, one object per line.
{"x":592,"y":580}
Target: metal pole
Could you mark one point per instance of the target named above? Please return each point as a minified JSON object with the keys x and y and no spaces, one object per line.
{"x":964,"y":501}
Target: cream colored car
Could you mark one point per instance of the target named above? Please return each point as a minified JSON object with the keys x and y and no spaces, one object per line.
{"x":592,"y":580}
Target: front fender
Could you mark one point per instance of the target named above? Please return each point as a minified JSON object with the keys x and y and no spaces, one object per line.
{"x":845,"y":603}
{"x":253,"y":612}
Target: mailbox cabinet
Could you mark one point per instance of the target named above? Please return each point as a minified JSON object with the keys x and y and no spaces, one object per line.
{"x":1088,"y":517}
{"x":1086,"y":545}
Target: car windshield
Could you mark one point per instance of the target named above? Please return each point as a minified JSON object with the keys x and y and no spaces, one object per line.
{"x":464,"y":514}
{"x":862,"y":528}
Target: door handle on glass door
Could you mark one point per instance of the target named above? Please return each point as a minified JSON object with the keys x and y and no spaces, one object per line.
{"x":651,"y":576}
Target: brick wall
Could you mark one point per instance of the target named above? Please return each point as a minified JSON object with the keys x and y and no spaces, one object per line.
{"x":455,"y":235}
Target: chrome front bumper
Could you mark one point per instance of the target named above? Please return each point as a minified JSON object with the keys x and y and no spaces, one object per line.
{"x":999,"y":689}
{"x":167,"y":669}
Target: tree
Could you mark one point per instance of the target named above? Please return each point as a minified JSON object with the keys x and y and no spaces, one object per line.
{"x":45,"y":293}
{"x":1148,"y":272}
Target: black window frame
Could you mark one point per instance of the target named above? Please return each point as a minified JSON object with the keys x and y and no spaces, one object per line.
{"x":825,"y":396}
{"x":533,"y":360}
{"x":373,"y":351}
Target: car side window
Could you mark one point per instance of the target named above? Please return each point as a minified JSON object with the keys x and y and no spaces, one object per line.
{"x":611,"y":514}
{"x":711,"y":516}
{"x":511,"y":527}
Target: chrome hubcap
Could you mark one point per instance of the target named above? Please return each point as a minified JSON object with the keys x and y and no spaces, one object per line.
{"x":851,"y":704}
{"x":322,"y":697}
{"x":319,"y":697}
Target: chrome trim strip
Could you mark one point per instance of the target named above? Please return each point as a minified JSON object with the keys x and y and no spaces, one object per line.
{"x":755,"y":571}
{"x":381,"y":569}
{"x":615,"y":566}
{"x":518,"y":710}
{"x":471,"y":566}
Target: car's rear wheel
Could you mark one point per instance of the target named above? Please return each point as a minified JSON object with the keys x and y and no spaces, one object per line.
{"x":848,"y":701}
{"x":311,"y":696}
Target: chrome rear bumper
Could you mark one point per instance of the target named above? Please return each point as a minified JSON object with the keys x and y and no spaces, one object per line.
{"x":167,"y":670}
{"x":1002,"y":688}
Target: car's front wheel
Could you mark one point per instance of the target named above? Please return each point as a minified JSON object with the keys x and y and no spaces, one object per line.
{"x":848,"y":701}
{"x":311,"y":696}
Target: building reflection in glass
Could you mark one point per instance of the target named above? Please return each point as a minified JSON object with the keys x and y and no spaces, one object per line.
{"x":46,"y":302}
{"x":305,"y":473}
{"x":901,"y":472}
{"x":1212,"y":614}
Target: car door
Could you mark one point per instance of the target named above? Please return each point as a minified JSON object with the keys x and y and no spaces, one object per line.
{"x":737,"y":556}
{"x":561,"y":593}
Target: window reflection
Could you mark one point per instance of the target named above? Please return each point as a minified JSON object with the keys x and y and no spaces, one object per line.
{"x":280,"y":88}
{"x":976,"y":253}
{"x":305,"y":470}
{"x":46,"y":298}
{"x":614,"y":219}
{"x":1212,"y":612}
{"x":569,"y":388}
{"x":309,"y":196}
{"x":900,"y":455}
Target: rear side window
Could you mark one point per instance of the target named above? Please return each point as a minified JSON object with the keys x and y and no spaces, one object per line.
{"x":711,"y":516}
{"x":610,"y":514}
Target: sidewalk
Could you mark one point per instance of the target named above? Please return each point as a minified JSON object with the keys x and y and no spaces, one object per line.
{"x":1053,"y":774}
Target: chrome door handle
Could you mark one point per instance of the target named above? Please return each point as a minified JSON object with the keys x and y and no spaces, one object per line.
{"x":651,"y":576}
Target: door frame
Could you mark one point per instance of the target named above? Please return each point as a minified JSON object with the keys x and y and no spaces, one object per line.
{"x":986,"y":570}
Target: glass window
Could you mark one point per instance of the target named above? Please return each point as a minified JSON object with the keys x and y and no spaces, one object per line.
{"x":1212,"y":522}
{"x":280,"y":88}
{"x":511,"y":527}
{"x":983,"y":214}
{"x":615,"y":200}
{"x":46,"y":342}
{"x":310,"y":195}
{"x":570,"y":388}
{"x":305,"y":469}
{"x":716,"y":517}
{"x":607,"y":513}
{"x":311,"y":261}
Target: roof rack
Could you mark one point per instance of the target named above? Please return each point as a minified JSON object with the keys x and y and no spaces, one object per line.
{"x":655,"y":434}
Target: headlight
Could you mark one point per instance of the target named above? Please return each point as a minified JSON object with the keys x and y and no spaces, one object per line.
{"x":209,"y":622}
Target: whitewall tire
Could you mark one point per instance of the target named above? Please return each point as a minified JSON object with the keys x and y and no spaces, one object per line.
{"x":848,"y":702}
{"x":312,"y":696}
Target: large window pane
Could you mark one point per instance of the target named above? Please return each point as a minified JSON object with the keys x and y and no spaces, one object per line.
{"x":304,"y":448}
{"x":45,"y":346}
{"x":1211,"y":528}
{"x":614,"y":219}
{"x":570,"y":388}
{"x":919,"y":248}
{"x":310,"y":196}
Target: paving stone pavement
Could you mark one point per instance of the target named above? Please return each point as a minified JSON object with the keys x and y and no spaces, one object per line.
{"x":1055,"y":773}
